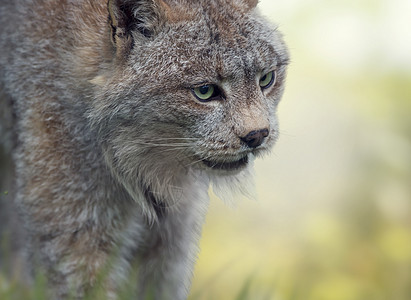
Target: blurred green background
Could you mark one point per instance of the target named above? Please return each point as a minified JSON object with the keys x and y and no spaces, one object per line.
{"x":333,"y":215}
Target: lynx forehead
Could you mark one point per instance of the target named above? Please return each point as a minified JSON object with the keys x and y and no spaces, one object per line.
{"x":125,"y":111}
{"x":221,"y":45}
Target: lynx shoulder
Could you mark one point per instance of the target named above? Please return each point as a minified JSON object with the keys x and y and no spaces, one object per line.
{"x":124,"y":113}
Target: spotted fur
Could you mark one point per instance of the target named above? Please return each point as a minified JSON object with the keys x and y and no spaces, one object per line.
{"x":113,"y":153}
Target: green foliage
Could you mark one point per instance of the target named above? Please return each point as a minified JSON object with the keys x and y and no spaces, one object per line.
{"x":333,"y":221}
{"x":14,"y":290}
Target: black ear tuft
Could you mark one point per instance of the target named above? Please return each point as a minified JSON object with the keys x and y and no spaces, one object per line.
{"x":126,"y":16}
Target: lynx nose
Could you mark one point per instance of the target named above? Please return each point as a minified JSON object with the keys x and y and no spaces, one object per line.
{"x":255,"y":138}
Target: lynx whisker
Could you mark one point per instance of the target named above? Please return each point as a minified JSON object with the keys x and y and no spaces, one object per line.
{"x":165,"y":144}
{"x":124,"y":119}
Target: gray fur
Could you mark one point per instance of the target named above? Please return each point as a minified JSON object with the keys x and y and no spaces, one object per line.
{"x":109,"y":140}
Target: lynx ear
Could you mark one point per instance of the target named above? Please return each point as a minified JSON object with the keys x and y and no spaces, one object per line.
{"x":143,"y":16}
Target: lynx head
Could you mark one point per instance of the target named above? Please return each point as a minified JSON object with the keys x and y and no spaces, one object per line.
{"x":191,"y":85}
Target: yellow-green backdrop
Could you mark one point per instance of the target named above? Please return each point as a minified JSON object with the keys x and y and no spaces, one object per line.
{"x":333,"y":215}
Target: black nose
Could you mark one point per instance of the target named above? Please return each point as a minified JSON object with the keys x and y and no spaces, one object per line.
{"x":255,"y":138}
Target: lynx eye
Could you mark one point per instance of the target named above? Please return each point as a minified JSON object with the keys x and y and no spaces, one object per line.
{"x":268,"y":80}
{"x":206,"y":92}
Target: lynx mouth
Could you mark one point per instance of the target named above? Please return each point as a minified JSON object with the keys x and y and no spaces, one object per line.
{"x":227,"y":166}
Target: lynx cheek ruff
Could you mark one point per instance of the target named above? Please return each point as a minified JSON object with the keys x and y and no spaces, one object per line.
{"x":118,"y":116}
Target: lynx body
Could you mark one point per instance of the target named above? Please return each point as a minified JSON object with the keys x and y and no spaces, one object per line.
{"x":118,"y":116}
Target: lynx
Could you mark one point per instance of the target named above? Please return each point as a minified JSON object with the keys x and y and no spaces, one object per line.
{"x":118,"y":115}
